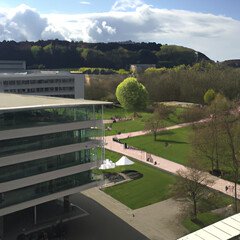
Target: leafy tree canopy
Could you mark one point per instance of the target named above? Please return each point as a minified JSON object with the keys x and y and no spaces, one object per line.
{"x":209,"y":96}
{"x":132,"y":95}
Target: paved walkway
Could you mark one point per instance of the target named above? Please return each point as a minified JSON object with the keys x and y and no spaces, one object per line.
{"x":162,"y":163}
{"x":158,"y":221}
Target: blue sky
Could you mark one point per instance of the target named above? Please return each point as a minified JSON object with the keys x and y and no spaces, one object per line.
{"x":230,"y":8}
{"x":208,"y":26}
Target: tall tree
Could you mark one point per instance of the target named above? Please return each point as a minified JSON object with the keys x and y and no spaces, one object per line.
{"x":156,"y":121}
{"x":192,"y":185}
{"x":132,"y":95}
{"x":231,"y":129}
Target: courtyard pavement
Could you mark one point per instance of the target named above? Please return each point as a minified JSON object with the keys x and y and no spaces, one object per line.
{"x":159,"y":221}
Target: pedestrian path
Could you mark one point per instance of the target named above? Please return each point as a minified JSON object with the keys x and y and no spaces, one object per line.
{"x":162,"y":163}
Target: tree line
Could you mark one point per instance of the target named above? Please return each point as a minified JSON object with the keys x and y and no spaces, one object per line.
{"x":181,"y":83}
{"x":115,"y":55}
{"x":189,"y":84}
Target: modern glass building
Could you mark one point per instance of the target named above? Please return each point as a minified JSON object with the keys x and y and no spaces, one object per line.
{"x":48,"y":148}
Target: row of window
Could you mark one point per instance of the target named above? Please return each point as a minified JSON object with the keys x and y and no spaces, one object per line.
{"x":35,"y":167}
{"x":46,"y":89}
{"x":45,"y":188}
{"x":40,"y":142}
{"x":39,"y":81}
{"x":43,"y":117}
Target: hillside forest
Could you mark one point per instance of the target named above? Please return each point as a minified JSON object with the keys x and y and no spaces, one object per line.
{"x":118,"y":55}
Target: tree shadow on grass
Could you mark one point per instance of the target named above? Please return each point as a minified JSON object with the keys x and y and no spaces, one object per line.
{"x":171,"y":141}
{"x":198,"y":222}
{"x":162,"y":133}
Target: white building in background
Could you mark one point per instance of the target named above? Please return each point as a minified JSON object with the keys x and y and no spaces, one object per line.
{"x":14,"y":78}
{"x":140,"y":68}
{"x":6,"y":65}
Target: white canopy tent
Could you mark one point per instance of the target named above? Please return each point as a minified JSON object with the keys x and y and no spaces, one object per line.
{"x":124,"y":161}
{"x":107,"y":164}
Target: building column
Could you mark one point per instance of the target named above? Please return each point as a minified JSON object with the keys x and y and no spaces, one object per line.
{"x":35,"y":214}
{"x":1,"y":228}
{"x":66,"y":203}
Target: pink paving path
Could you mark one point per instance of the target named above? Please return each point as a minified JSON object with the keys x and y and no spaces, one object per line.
{"x":162,"y":163}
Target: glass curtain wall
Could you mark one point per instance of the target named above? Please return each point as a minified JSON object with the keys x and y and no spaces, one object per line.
{"x":45,"y":188}
{"x":34,"y":143}
{"x":43,"y":165}
{"x":43,"y":117}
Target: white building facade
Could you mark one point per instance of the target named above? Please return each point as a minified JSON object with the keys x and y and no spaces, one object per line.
{"x":14,"y":78}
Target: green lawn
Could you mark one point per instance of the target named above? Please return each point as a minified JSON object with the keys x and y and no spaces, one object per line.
{"x":178,"y":148}
{"x":138,"y":123}
{"x":110,"y":112}
{"x":215,"y":200}
{"x":128,"y":126}
{"x":153,"y":187}
{"x":204,"y":219}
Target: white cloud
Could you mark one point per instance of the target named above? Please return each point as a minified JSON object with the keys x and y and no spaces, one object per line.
{"x":123,"y":5}
{"x":109,"y":29}
{"x":85,"y":3}
{"x":24,"y":23}
{"x":216,"y":36}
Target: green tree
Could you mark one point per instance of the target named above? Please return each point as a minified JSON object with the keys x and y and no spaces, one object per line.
{"x":209,"y":96}
{"x":155,"y":122}
{"x":230,"y":124}
{"x":218,"y":140}
{"x":132,"y":95}
{"x":193,"y":114}
{"x":49,"y":49}
{"x":192,"y":185}
{"x":37,"y":52}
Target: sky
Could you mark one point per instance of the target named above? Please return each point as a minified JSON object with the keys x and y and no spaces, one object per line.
{"x":208,"y":26}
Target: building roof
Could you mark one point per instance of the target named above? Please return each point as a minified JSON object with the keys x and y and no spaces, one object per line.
{"x":33,"y":73}
{"x":225,"y":229}
{"x":19,"y":102}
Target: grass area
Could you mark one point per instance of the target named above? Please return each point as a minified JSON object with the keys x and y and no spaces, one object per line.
{"x":215,"y":200}
{"x":137,"y":124}
{"x":128,"y":126}
{"x":153,"y":187}
{"x":177,"y":150}
{"x":204,"y":219}
{"x":110,"y":112}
